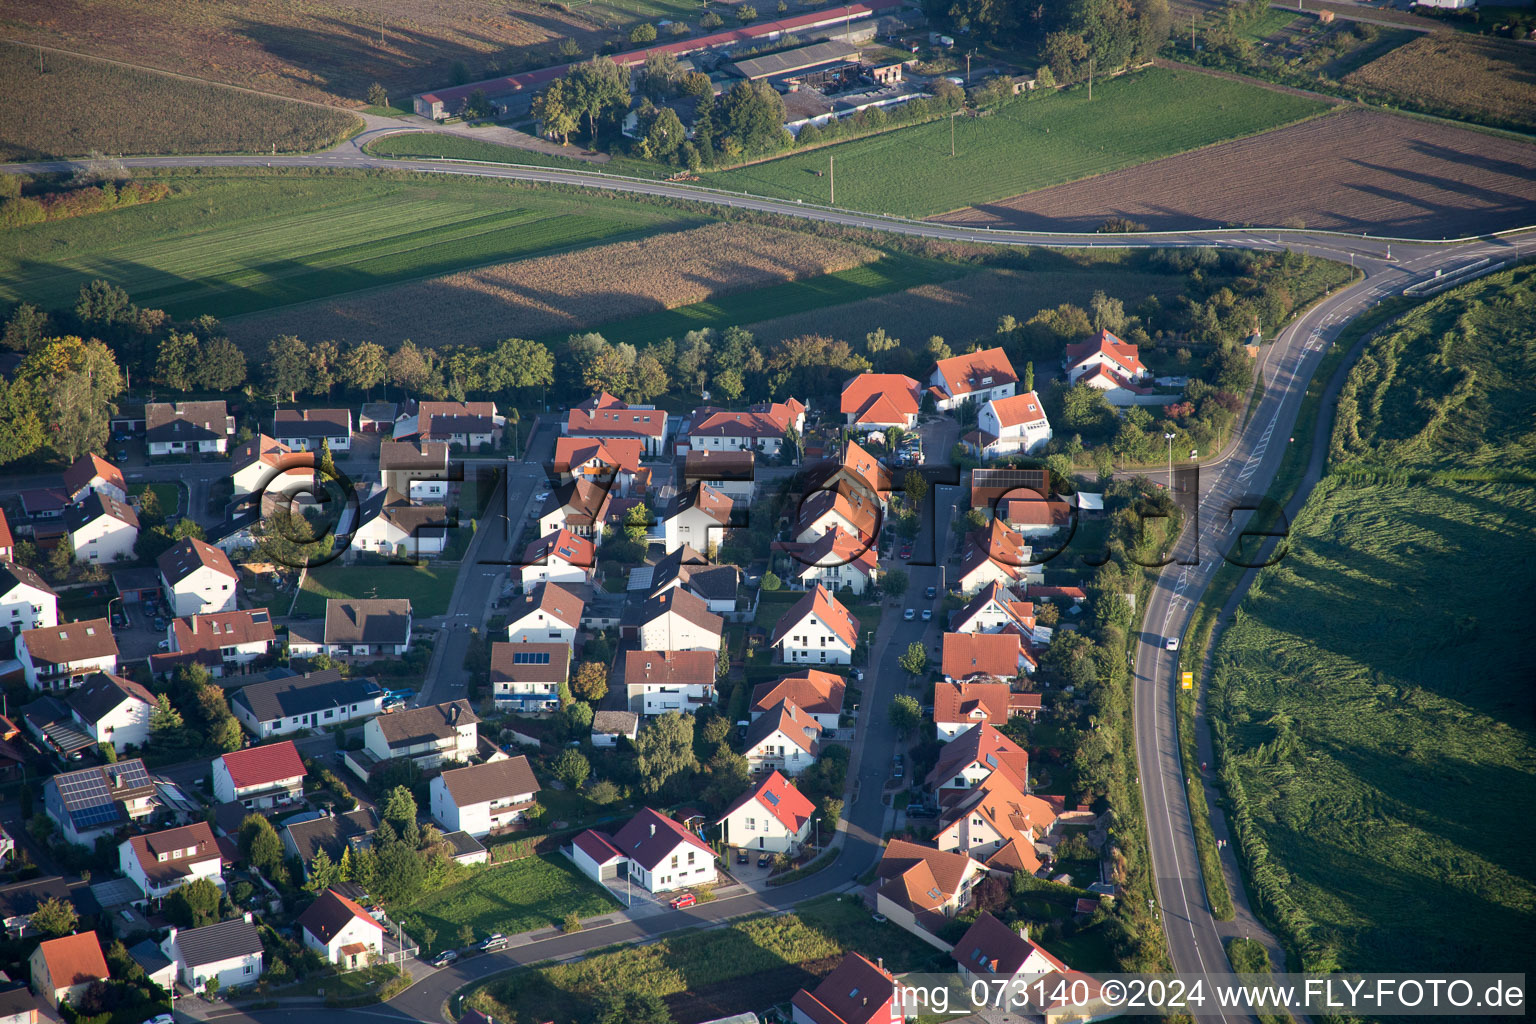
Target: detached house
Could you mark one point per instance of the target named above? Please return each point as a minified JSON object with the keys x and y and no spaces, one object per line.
{"x":1009,"y":426}
{"x":341,"y":931}
{"x":1034,"y":517}
{"x":675,"y":620}
{"x":984,"y":656}
{"x":561,"y":557}
{"x":974,"y":377}
{"x":773,"y":816}
{"x":222,"y":642}
{"x":614,"y":463}
{"x":660,"y":681}
{"x":579,"y":507}
{"x":62,"y":656}
{"x":993,"y":815}
{"x":113,"y":710}
{"x":264,"y":776}
{"x":848,"y":510}
{"x":920,"y":887}
{"x":182,"y":427}
{"x":858,"y":473}
{"x":256,"y":463}
{"x":1004,"y":960}
{"x":856,"y":992}
{"x":229,"y":951}
{"x":718,"y":586}
{"x":1110,"y":365}
{"x":527,"y":676}
{"x":95,"y":801}
{"x":416,"y":469}
{"x":356,"y":628}
{"x":468,"y":424}
{"x":484,"y":798}
{"x":967,"y":760}
{"x":961,"y":706}
{"x":549,"y":614}
{"x":162,"y":862}
{"x":305,"y":430}
{"x":63,"y":968}
{"x":26,"y":599}
{"x":838,"y":560}
{"x":761,"y":428}
{"x":92,"y":474}
{"x":731,"y":473}
{"x":818,"y":694}
{"x":994,"y":609}
{"x":7,"y":541}
{"x":101,"y":529}
{"x":997,"y":554}
{"x":605,"y":417}
{"x":816,"y":629}
{"x":698,"y":519}
{"x":315,"y":700}
{"x":429,"y":736}
{"x":197,"y":578}
{"x":658,"y":854}
{"x":784,"y":738}
{"x":304,"y":837}
{"x":389,"y":523}
{"x":880,"y":401}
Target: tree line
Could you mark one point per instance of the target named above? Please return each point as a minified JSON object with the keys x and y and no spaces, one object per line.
{"x":1110,"y":33}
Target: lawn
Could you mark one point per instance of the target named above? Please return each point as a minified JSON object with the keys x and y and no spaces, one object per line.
{"x":229,"y":242}
{"x":1026,"y":144}
{"x":428,"y":585}
{"x":442,"y":146}
{"x":168,"y":496}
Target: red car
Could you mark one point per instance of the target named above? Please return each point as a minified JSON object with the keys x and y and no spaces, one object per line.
{"x":684,"y":901}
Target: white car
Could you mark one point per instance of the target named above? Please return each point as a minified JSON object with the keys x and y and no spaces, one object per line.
{"x":1172,"y":643}
{"x":163,"y":1018}
{"x":541,"y":497}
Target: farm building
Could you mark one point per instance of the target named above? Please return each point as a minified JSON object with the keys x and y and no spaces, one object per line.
{"x":801,"y":59}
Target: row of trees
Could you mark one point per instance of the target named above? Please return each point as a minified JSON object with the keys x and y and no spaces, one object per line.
{"x":1110,"y":33}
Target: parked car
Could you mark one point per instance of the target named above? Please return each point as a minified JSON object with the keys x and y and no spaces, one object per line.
{"x":909,"y":614}
{"x":445,"y":958}
{"x":931,"y":593}
{"x":906,"y":551}
{"x":164,"y":645}
{"x":122,"y":435}
{"x":897,"y":768}
{"x":920,"y":812}
{"x":684,"y":901}
{"x":927,"y":614}
{"x":121,"y":456}
{"x":117,"y":621}
{"x":1172,"y":643}
{"x":878,"y":918}
{"x":161,"y":1018}
{"x":159,"y":621}
{"x":742,"y":857}
{"x":493,"y":942}
{"x":764,"y":860}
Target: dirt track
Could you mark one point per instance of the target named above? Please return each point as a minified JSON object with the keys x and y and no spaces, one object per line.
{"x":1358,"y":170}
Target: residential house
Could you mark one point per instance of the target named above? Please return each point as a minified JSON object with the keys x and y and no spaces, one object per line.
{"x":994,"y":814}
{"x":988,"y":486}
{"x":660,"y":681}
{"x":314,"y":700}
{"x":388,"y":523}
{"x":967,"y":760}
{"x":1109,"y":364}
{"x":1035,"y":517}
{"x":773,"y":816}
{"x":484,"y":798}
{"x":613,"y":463}
{"x":997,"y":554}
{"x":579,"y":507}
{"x":527,"y":676}
{"x":846,"y":509}
{"x":675,"y":620}
{"x":994,"y":609}
{"x":341,"y":931}
{"x":257,"y":462}
{"x":973,"y":377}
{"x":857,"y":473}
{"x":180,"y":428}
{"x":92,"y":474}
{"x":62,"y":656}
{"x":101,"y":529}
{"x":228,"y":953}
{"x":561,"y":557}
{"x":983,"y":656}
{"x":113,"y":710}
{"x":1001,"y":959}
{"x":197,"y":578}
{"x":605,"y":417}
{"x":961,"y":706}
{"x":26,"y":599}
{"x":761,"y":428}
{"x":377,"y":417}
{"x":920,"y":888}
{"x":698,"y":518}
{"x":159,"y":863}
{"x":43,"y":505}
{"x":222,"y":642}
{"x":264,"y":776}
{"x":364,"y":628}
{"x":7,"y":541}
{"x":50,"y":722}
{"x":18,"y":1005}
{"x":819,"y":694}
{"x":856,"y":992}
{"x":880,"y":401}
{"x":416,"y":469}
{"x":609,"y":726}
{"x":731,"y":473}
{"x":1014,"y":425}
{"x":838,"y":560}
{"x":784,"y":738}
{"x":305,"y":836}
{"x":157,"y":966}
{"x":305,"y":430}
{"x":658,"y":852}
{"x":429,"y":735}
{"x":63,"y":968}
{"x":816,"y":629}
{"x":548,"y":614}
{"x":467,"y":424}
{"x":96,"y":801}
{"x":718,"y":586}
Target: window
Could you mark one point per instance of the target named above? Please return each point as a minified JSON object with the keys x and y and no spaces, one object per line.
{"x":250,"y":968}
{"x":674,"y":861}
{"x":751,"y":824}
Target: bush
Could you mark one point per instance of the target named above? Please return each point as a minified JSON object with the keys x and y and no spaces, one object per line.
{"x":711,"y":20}
{"x":643,"y":33}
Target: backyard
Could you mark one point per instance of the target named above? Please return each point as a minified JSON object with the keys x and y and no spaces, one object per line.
{"x":428,"y":585}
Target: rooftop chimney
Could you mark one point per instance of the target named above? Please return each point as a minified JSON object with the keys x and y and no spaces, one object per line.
{"x":653,"y":828}
{"x":453,"y":714}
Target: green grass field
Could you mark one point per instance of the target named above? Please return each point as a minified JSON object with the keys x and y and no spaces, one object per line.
{"x":535,"y":892}
{"x":439,"y":145}
{"x":428,"y":586}
{"x":231,"y":243}
{"x":1027,"y":144}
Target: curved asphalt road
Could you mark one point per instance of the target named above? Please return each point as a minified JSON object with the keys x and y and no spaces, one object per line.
{"x":1247,"y":467}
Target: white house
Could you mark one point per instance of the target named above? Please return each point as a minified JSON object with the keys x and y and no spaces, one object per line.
{"x":366,"y":628}
{"x":97,"y":801}
{"x":159,"y":863}
{"x":197,"y":577}
{"x":429,"y":736}
{"x":1105,"y":351}
{"x":418,"y":470}
{"x":561,"y":557}
{"x":183,"y":427}
{"x":101,"y":529}
{"x":997,"y":554}
{"x":61,"y":656}
{"x":817,"y":629}
{"x":921,"y":887}
{"x":660,"y":681}
{"x":772,"y":816}
{"x":92,"y":474}
{"x":993,"y":815}
{"x":994,"y":954}
{"x":818,"y":694}
{"x":761,"y":428}
{"x":659,"y":854}
{"x":699,"y":519}
{"x":838,"y":560}
{"x":974,"y":755}
{"x":784,"y":738}
{"x":26,"y":599}
{"x":604,"y":416}
{"x":880,"y":401}
{"x":112,"y":710}
{"x":549,"y":614}
{"x":675,"y":620}
{"x":229,"y":951}
{"x":972,"y":377}
{"x":579,"y":506}
{"x":222,"y":642}
{"x":484,"y":798}
{"x":303,"y":430}
{"x":341,"y":931}
{"x":468,"y":424}
{"x":731,"y":473}
{"x":961,"y":706}
{"x":527,"y":676}
{"x":847,"y":509}
{"x":1012,"y":425}
{"x":256,"y":462}
{"x":315,"y":700}
{"x":63,"y":968}
{"x":993,"y":609}
{"x":389,"y":523}
{"x":608,"y":726}
{"x":613,"y":462}
{"x":718,"y":586}
{"x":262,"y":776}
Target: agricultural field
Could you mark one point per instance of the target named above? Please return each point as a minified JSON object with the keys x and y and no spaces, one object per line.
{"x":1372,"y":702}
{"x":230,"y":242}
{"x":569,"y":292}
{"x":1487,"y":79}
{"x":1357,"y":170}
{"x":534,"y":892}
{"x":1026,"y":144}
{"x":81,"y":106}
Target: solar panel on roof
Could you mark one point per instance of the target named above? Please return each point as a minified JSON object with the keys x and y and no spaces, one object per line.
{"x":530,"y":658}
{"x":772,"y":797}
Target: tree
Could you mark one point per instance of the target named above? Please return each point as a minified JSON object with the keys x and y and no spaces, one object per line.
{"x":164,"y":717}
{"x":326,"y":464}
{"x":519,"y":363}
{"x":400,"y":809}
{"x":324,"y":360}
{"x":194,"y":903}
{"x":1029,"y":376}
{"x":831,"y":812}
{"x":597,"y":89}
{"x":711,"y":20}
{"x":632,"y":1007}
{"x":905,"y":713}
{"x":54,"y":917}
{"x":644,"y":32}
{"x":377,"y":95}
{"x":73,"y":383}
{"x":225,"y":735}
{"x":894,"y":583}
{"x":572,"y":768}
{"x":591,"y":681}
{"x":771,"y":582}
{"x":411,"y":368}
{"x":665,"y":750}
{"x":729,"y":775}
{"x":1107,"y":313}
{"x":915,"y":660}
{"x":553,"y":110}
{"x":746,"y":13}
{"x":21,"y":421}
{"x":751,"y":117}
{"x":915,"y":487}
{"x":220,"y":365}
{"x":730,"y":385}
{"x":603,"y":792}
{"x":260,"y":844}
{"x":364,"y":366}
{"x":399,"y":874}
{"x":288,"y":367}
{"x":323,"y":872}
{"x":174,"y":361}
{"x":27,"y":325}
{"x":570,"y":47}
{"x":1044,"y":78}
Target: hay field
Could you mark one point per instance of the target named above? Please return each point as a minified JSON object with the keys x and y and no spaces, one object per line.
{"x":1490,"y":79}
{"x":568,"y":292}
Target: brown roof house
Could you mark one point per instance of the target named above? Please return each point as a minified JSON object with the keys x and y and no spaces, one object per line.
{"x":63,"y":968}
{"x":484,"y":798}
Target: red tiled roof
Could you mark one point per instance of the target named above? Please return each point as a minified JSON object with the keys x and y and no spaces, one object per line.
{"x":1123,"y":353}
{"x":649,"y":836}
{"x":970,"y":702}
{"x":265,"y":765}
{"x":70,"y":642}
{"x":6,"y":541}
{"x":211,"y":631}
{"x":330,"y":913}
{"x":835,"y":547}
{"x":923,"y":877}
{"x":881,"y":397}
{"x":964,"y":373}
{"x":87,"y":467}
{"x":984,"y":746}
{"x":615,"y":420}
{"x":800,"y":728}
{"x":779,"y":797}
{"x":561,"y":546}
{"x":824,"y":606}
{"x":75,"y":959}
{"x":597,"y":846}
{"x":1018,"y":409}
{"x":818,"y":692}
{"x":856,"y":992}
{"x":670,"y":667}
{"x":990,"y":654}
{"x":613,"y":454}
{"x":990,"y":946}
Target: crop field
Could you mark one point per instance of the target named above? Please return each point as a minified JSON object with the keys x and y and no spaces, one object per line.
{"x":324,"y":50}
{"x":78,"y":106}
{"x":1357,"y":170}
{"x":229,"y":243}
{"x":1027,"y":144}
{"x":1490,"y":79}
{"x":569,"y":292}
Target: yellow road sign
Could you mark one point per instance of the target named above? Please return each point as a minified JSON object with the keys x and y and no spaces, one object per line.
{"x":1187,"y":679}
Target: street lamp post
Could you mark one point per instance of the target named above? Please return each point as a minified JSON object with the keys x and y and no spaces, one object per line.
{"x":1169,"y":438}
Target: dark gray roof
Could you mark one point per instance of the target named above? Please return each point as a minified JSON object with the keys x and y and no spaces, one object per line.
{"x":413,"y":455}
{"x":140,"y":577}
{"x":148,"y":956}
{"x":96,"y":505}
{"x":463,"y":843}
{"x":103,"y":692}
{"x":212,"y":943}
{"x":291,"y":696}
{"x":796,"y":59}
{"x":50,"y":720}
{"x":368,"y":621}
{"x":330,"y":833}
{"x":17,"y":1000}
{"x":12,"y":575}
{"x":186,"y":421}
{"x":312,"y":423}
{"x":433,"y":722}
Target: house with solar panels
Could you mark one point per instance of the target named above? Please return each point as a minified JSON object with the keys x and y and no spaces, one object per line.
{"x":527,"y":676}
{"x":95,"y":801}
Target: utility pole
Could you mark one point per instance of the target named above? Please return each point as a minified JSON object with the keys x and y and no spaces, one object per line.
{"x":1169,"y":438}
{"x":952,"y":132}
{"x":968,"y":66}
{"x":1090,"y":79}
{"x":1191,"y":31}
{"x":831,"y":180}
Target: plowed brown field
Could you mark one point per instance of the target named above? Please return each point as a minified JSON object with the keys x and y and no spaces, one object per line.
{"x":1354,"y":171}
